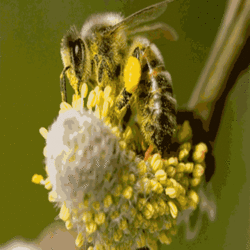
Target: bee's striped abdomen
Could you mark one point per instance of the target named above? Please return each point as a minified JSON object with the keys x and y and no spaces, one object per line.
{"x":157,"y":106}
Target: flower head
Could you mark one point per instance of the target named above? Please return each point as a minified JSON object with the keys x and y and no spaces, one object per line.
{"x":111,"y":197}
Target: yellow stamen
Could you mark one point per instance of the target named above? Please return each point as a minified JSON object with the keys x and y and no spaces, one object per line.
{"x":79,"y":240}
{"x":91,"y":227}
{"x":107,"y":92}
{"x":128,"y":192}
{"x":173,"y":209}
{"x":91,"y":100}
{"x":64,"y":106}
{"x":64,"y":212}
{"x":84,"y":90}
{"x":52,"y":196}
{"x":37,"y":178}
{"x":47,"y":184}
{"x":44,"y":132}
{"x":107,"y":201}
{"x":100,"y":218}
{"x":68,"y":225}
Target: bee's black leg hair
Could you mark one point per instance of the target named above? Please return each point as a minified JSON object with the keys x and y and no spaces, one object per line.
{"x":63,"y":84}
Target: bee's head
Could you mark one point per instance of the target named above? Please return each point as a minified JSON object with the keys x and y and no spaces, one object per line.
{"x":74,"y":53}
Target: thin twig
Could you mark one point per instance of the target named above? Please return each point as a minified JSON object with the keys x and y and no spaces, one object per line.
{"x":227,"y":47}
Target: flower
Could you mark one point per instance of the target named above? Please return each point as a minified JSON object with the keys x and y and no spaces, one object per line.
{"x":106,"y":192}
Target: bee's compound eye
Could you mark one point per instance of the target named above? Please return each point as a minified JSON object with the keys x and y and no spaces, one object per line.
{"x":77,"y":56}
{"x":78,"y":52}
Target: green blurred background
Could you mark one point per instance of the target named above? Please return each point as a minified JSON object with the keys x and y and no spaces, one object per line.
{"x":30,"y":61}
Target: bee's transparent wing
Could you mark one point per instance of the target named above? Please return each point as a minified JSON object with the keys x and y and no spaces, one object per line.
{"x":145,"y":15}
{"x":155,"y":31}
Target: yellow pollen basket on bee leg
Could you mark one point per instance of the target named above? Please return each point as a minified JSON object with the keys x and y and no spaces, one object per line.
{"x":132,"y":74}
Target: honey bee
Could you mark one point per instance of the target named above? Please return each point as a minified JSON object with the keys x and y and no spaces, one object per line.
{"x":118,"y":51}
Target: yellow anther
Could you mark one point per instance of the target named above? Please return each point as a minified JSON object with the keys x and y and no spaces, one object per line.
{"x":128,"y":192}
{"x":193,"y":196}
{"x":52,"y":196}
{"x":173,"y":161}
{"x":44,"y":132}
{"x":161,"y":176}
{"x":97,"y":113}
{"x":186,"y":145}
{"x":141,"y":241}
{"x":64,"y":106}
{"x":118,"y":190}
{"x":76,"y":102}
{"x":106,"y":108}
{"x":141,"y":203}
{"x":148,"y":211}
{"x":91,"y":99}
{"x":111,"y":101}
{"x":90,"y":239}
{"x":97,"y":89}
{"x":87,"y":216}
{"x":189,"y":167}
{"x":128,"y":133}
{"x":164,"y":239}
{"x":47,"y":184}
{"x":91,"y":227}
{"x":131,"y":178}
{"x":171,"y":192}
{"x":125,"y":177}
{"x":117,"y":235}
{"x":68,"y":224}
{"x":90,"y":248}
{"x":182,"y":200}
{"x":107,"y":92}
{"x":96,"y":205}
{"x":115,"y":130}
{"x":45,"y":151}
{"x":84,"y":90}
{"x":132,"y":74}
{"x":173,"y":209}
{"x":107,"y":201}
{"x":157,"y":165}
{"x":198,"y":170}
{"x":79,"y":240}
{"x":156,"y":186}
{"x":64,"y":212}
{"x":155,"y":158}
{"x":171,"y":171}
{"x":142,"y":168}
{"x":180,"y":167}
{"x":100,"y":218}
{"x":37,"y":178}
{"x":123,"y":224}
{"x":100,"y":98}
{"x":162,"y":206}
{"x":195,"y":181}
{"x":123,"y":144}
{"x":183,"y":154}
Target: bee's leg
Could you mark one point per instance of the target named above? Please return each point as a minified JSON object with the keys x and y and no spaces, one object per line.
{"x":148,"y":152}
{"x":132,"y":74}
{"x":63,"y":84}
